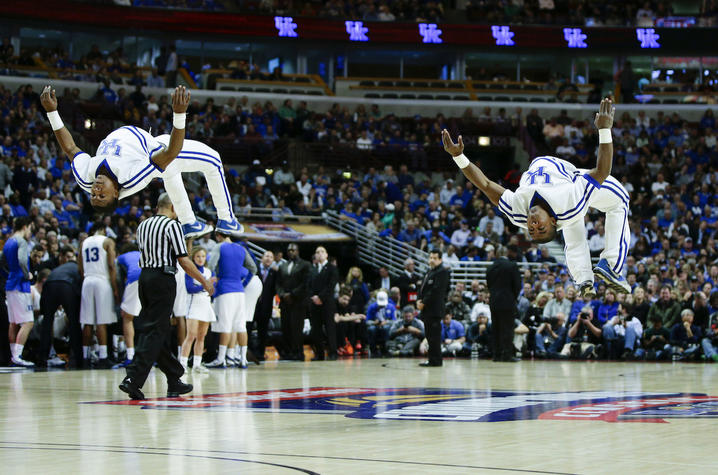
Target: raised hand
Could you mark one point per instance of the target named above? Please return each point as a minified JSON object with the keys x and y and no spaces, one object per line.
{"x":48,"y":99}
{"x":180,"y":100}
{"x":454,"y":149}
{"x":604,"y":117}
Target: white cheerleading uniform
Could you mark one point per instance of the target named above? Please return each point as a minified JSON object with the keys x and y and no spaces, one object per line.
{"x":199,"y":304}
{"x":127,"y":154}
{"x":570,"y":192}
{"x":97,"y":304}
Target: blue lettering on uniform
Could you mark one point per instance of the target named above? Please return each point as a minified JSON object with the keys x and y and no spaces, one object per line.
{"x":539,"y":173}
{"x":107,"y":146}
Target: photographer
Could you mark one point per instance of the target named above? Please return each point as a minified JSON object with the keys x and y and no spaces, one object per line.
{"x":583,"y":336}
{"x":406,"y":334}
{"x":655,"y":342}
{"x":622,"y":332}
{"x":551,"y":332}
{"x":379,"y":318}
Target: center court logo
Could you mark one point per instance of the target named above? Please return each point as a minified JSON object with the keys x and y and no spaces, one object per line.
{"x":457,"y":405}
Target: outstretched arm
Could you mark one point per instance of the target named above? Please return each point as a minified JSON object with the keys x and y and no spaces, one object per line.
{"x":604,"y":122}
{"x":49,"y":102}
{"x":180,"y":102}
{"x":473,"y":173}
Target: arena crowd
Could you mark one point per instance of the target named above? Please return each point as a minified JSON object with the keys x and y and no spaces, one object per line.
{"x":667,"y":164}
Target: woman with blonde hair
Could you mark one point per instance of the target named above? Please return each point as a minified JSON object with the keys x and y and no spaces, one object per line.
{"x":199,"y":313}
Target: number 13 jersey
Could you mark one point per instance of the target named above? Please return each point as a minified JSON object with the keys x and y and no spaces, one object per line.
{"x":94,"y":257}
{"x":565,"y":188}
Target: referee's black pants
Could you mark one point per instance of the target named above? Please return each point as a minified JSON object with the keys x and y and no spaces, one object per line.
{"x":54,"y":294}
{"x":157,"y":292}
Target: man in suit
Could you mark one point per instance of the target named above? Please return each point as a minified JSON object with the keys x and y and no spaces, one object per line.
{"x":263,"y":311}
{"x":292,"y":282}
{"x":323,"y":279}
{"x":504,"y":282}
{"x":431,"y":302}
{"x":384,"y":281}
{"x":408,"y":283}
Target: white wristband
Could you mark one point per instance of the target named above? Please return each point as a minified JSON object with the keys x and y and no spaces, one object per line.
{"x":179,"y":120}
{"x":462,"y":161}
{"x":55,"y":120}
{"x":604,"y":136}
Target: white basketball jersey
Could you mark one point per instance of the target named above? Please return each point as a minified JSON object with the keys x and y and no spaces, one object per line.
{"x":94,"y":257}
{"x":565,"y":188}
{"x":127,"y":153}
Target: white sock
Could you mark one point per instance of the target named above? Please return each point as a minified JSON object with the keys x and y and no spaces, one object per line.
{"x":183,"y":360}
{"x":222,"y":352}
{"x":96,"y":348}
{"x":102,"y":352}
{"x":243,"y":352}
{"x":13,"y":350}
{"x":179,"y":350}
{"x":232,"y":352}
{"x":85,"y":352}
{"x":130,"y":353}
{"x":197,"y":361}
{"x":18,"y":349}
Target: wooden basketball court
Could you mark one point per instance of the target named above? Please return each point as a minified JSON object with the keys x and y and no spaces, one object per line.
{"x":368,"y":416}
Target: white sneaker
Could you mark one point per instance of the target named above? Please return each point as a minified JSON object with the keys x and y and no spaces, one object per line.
{"x":200,"y":369}
{"x":216,"y":364}
{"x":17,"y":361}
{"x":56,"y":362}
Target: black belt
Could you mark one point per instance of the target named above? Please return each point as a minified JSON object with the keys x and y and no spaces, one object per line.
{"x":171,"y":270}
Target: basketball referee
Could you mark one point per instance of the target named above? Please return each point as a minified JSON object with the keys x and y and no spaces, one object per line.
{"x":161,"y":246}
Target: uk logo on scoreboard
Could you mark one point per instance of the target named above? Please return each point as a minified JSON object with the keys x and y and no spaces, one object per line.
{"x":285,"y":26}
{"x":430,"y":33}
{"x":503,"y":35}
{"x":357,"y":31}
{"x":452,"y":405}
{"x":648,"y":37}
{"x":575,"y":37}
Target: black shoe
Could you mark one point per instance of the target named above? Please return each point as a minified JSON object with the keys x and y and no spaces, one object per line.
{"x":318,"y":358}
{"x":511,"y":359}
{"x":178,"y":388}
{"x":332,"y":357}
{"x":104,"y":363}
{"x":427,"y":364}
{"x":127,"y":386}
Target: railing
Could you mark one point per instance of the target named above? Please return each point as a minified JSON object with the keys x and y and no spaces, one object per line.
{"x":381,"y":251}
{"x":257,"y":251}
{"x":275,"y":214}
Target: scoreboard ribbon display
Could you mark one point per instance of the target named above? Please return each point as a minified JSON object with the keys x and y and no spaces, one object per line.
{"x":428,"y":35}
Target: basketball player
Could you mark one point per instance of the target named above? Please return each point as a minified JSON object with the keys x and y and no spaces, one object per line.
{"x":229,"y":261}
{"x":130,"y":158}
{"x":129,"y":266}
{"x":99,"y":287}
{"x":17,"y":289}
{"x":553,"y":195}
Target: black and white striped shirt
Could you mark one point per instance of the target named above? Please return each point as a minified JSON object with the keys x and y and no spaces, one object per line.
{"x":161,"y":242}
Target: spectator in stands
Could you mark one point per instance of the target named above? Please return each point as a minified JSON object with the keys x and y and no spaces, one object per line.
{"x":608,"y":309}
{"x":453,"y":337}
{"x":558,"y":304}
{"x":460,"y":310}
{"x":408,"y":283}
{"x":665,"y":309}
{"x":585,"y":333}
{"x":406,"y":334}
{"x":380,"y":316}
{"x":686,"y":337}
